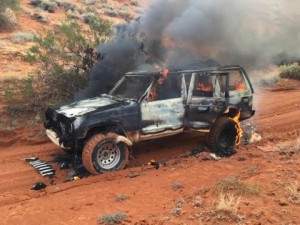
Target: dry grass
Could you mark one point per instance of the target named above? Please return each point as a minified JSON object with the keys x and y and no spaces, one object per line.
{"x":227,"y":203}
{"x":294,"y":192}
{"x":240,"y":187}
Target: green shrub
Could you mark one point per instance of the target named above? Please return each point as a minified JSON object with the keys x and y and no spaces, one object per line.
{"x":63,"y":58}
{"x":48,"y":5}
{"x":291,"y":71}
{"x":110,"y":12}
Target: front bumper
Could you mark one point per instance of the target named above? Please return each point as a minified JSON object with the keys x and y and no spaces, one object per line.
{"x":52,"y":135}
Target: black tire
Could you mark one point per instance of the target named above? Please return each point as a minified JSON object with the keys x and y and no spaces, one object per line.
{"x":222,"y":136}
{"x":100,"y":154}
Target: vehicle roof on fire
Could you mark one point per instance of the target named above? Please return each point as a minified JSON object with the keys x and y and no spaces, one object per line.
{"x":209,"y":70}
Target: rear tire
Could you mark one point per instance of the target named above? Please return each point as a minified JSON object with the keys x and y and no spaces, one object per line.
{"x":222,"y":136}
{"x":100,"y":154}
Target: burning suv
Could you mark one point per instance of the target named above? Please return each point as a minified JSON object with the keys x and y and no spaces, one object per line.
{"x":148,"y":105}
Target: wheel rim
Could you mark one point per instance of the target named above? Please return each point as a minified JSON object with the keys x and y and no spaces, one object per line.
{"x":108,"y":155}
{"x":227,"y":137}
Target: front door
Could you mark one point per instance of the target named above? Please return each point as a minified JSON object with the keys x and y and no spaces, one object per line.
{"x":162,"y":113}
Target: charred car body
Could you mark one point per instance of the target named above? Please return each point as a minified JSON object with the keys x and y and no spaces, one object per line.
{"x":145,"y":105}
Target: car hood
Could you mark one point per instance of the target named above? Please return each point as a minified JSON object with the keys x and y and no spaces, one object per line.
{"x":85,"y":106}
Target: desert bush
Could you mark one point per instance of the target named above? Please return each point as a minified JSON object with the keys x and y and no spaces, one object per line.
{"x":73,"y":14}
{"x":22,"y":37}
{"x":66,"y":5}
{"x":63,"y":58}
{"x":227,"y":203}
{"x":121,"y":198}
{"x":110,"y":12}
{"x":113,"y":218}
{"x":240,"y":187}
{"x":48,"y":5}
{"x":89,"y":17}
{"x":291,"y":71}
{"x":52,"y":5}
{"x":134,"y":2}
{"x":35,"y":2}
{"x":177,"y":185}
{"x":124,"y":14}
{"x":7,"y":16}
{"x":40,"y":17}
{"x":90,"y":2}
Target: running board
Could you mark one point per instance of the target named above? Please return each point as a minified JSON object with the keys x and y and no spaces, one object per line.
{"x":43,"y":167}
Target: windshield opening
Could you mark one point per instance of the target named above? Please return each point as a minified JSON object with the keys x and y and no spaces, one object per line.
{"x":132,"y":87}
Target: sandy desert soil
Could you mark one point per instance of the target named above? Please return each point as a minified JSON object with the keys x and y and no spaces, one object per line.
{"x":271,"y":165}
{"x":184,"y":190}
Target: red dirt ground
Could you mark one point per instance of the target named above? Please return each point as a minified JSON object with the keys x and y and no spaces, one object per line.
{"x":151,"y":195}
{"x":271,"y":164}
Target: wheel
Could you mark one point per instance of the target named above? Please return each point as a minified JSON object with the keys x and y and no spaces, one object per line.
{"x":100,"y":154}
{"x":222,"y":136}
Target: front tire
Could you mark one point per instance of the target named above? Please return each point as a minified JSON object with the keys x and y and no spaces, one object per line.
{"x":101,"y":154}
{"x":222,"y":136}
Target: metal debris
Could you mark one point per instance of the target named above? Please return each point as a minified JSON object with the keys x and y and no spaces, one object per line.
{"x":249,"y":134}
{"x":153,"y":163}
{"x":215,"y":157}
{"x":64,"y":165}
{"x":30,"y":159}
{"x":43,"y":167}
{"x":38,"y":186}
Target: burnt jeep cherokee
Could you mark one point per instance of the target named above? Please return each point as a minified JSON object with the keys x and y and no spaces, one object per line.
{"x":148,"y":105}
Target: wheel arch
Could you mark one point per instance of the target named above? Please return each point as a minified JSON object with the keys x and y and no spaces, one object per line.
{"x":231,"y":111}
{"x":104,"y":128}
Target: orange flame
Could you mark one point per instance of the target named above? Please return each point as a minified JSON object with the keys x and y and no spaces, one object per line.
{"x":238,"y":128}
{"x":153,"y":94}
{"x":202,"y":87}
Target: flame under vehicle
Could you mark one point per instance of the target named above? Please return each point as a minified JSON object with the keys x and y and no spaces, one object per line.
{"x":148,"y":105}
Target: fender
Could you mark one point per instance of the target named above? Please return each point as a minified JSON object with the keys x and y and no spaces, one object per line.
{"x":123,"y":139}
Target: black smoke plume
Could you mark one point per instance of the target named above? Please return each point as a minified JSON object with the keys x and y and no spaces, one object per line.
{"x":182,"y":34}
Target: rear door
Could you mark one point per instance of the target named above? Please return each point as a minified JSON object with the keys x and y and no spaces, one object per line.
{"x":206,"y":100}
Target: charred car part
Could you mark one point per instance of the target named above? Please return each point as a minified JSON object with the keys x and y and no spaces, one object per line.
{"x":42,"y":167}
{"x":148,"y":105}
